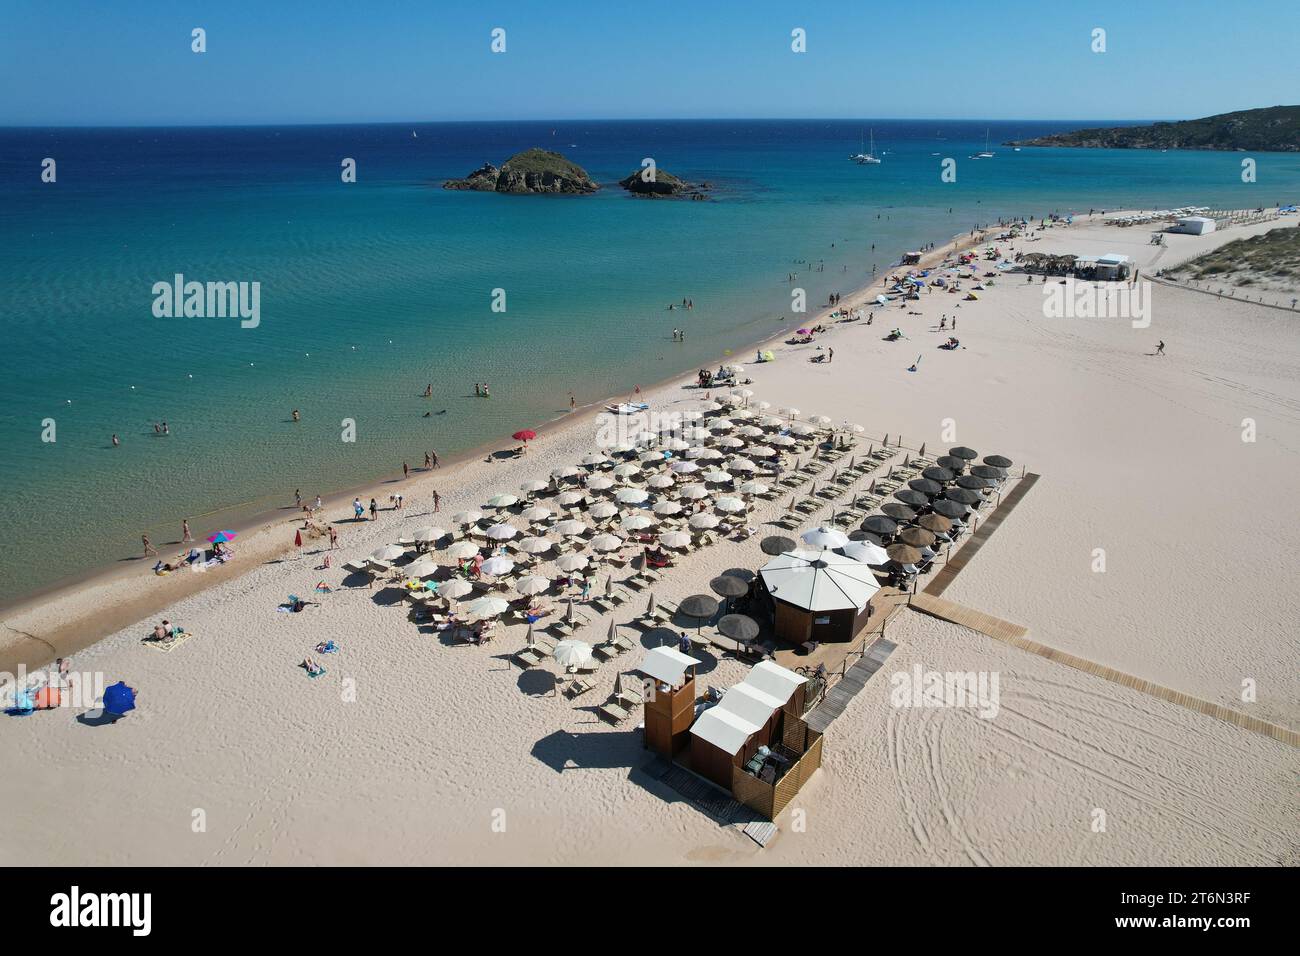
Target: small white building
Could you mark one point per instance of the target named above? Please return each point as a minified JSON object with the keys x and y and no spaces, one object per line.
{"x":1194,"y":225}
{"x":1114,"y":265}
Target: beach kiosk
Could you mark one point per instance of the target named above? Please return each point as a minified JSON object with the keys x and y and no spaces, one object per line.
{"x":754,"y":742}
{"x":1114,"y":265}
{"x":1194,"y":225}
{"x":670,"y":708}
{"x":818,"y":595}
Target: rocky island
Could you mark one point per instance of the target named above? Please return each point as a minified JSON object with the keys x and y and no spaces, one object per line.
{"x":664,"y":185}
{"x":532,"y":171}
{"x":1274,"y":128}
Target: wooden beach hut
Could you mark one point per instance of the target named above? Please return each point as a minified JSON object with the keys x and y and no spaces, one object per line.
{"x":818,"y":595}
{"x":669,"y":700}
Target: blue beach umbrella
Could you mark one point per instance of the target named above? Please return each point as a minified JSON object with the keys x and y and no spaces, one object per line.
{"x":118,"y":698}
{"x":221,"y":537}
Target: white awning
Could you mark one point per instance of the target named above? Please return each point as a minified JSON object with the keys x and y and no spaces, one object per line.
{"x":724,"y":729}
{"x":774,"y":680}
{"x":1114,"y":259}
{"x":750,"y":704}
{"x":666,"y":664}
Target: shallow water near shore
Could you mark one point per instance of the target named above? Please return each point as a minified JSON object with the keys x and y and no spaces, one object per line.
{"x":370,"y":291}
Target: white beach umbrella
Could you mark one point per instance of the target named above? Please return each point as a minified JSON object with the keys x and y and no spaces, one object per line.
{"x":761,"y":451}
{"x":533,"y":485}
{"x":650,"y":457}
{"x":661,"y":481}
{"x":421,"y":568}
{"x":675,"y":539}
{"x":606,"y":542}
{"x":695,"y":434}
{"x":636,"y":522}
{"x":824,"y":537}
{"x":502,"y":532}
{"x":710,"y":454}
{"x":721,"y":425}
{"x":820,"y":420}
{"x":645,"y":437}
{"x":716,"y":476}
{"x":570,"y":528}
{"x":676,"y":444}
{"x":466,"y":517}
{"x":762,"y":406}
{"x":567,"y":471}
{"x":791,"y":412}
{"x":783,"y":441}
{"x":498,"y":566}
{"x":603,"y":510}
{"x":770,"y":422}
{"x":594,"y":460}
{"x":691,"y":415}
{"x":502,"y":500}
{"x":855,"y":428}
{"x":455,"y":589}
{"x":486,"y":607}
{"x":708,"y":407}
{"x":462,"y":550}
{"x":600,"y":483}
{"x":567,"y":499}
{"x":819,"y":580}
{"x":866,"y":552}
{"x":729,"y":505}
{"x":730,"y":442}
{"x":532,"y":584}
{"x":683,"y":467}
{"x":571,"y":562}
{"x":693,"y":492}
{"x":626,"y":470}
{"x":704,"y":521}
{"x":741,"y":465}
{"x":802,"y":428}
{"x":753,"y":488}
{"x":750,"y":431}
{"x":745,"y":393}
{"x":632,"y":496}
{"x":572,"y":653}
{"x":622,"y":448}
{"x":536,"y":514}
{"x":667,"y":507}
{"x":534,"y":545}
{"x":389,"y":552}
{"x":428,"y":534}
{"x":696,"y":451}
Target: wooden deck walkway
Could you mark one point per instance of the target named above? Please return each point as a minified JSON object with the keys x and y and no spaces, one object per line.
{"x":838,"y":697}
{"x":944,"y":576}
{"x":1014,"y":635}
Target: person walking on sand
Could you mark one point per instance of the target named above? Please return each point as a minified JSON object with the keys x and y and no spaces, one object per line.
{"x":573,"y":402}
{"x":334,"y":538}
{"x":186,"y":537}
{"x":428,"y":461}
{"x":374,"y":509}
{"x":830,"y":355}
{"x":148,"y":545}
{"x":1160,"y":347}
{"x":437,"y":501}
{"x":406,"y":470}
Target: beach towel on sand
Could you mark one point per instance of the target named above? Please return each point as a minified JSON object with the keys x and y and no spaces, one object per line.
{"x":168,"y":643}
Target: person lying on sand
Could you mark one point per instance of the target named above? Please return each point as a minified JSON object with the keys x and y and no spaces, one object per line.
{"x":311,"y":667}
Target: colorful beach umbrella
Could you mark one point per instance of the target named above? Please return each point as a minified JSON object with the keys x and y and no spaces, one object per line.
{"x":119,"y":698}
{"x":221,"y":537}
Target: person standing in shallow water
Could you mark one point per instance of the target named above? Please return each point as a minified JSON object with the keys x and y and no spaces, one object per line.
{"x":186,"y":537}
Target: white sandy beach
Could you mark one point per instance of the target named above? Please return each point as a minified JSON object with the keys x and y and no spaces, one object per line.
{"x":1139,"y":455}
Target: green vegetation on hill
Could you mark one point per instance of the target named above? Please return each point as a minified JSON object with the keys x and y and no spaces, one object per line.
{"x":1271,"y":129}
{"x":1272,"y":257}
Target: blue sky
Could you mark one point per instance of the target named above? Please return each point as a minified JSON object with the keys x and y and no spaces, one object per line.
{"x":128,"y":62}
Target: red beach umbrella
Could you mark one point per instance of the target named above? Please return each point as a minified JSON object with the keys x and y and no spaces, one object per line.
{"x":297,"y":539}
{"x":525,"y":434}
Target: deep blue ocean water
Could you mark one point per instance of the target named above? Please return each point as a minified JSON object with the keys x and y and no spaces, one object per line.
{"x":371,"y":290}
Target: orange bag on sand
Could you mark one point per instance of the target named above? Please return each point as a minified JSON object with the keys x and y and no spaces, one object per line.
{"x":48,"y":698}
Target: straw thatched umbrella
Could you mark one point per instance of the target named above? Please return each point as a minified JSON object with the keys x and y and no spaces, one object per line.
{"x":961,"y":451}
{"x":973,"y":482}
{"x":963,"y":495}
{"x":898,"y":511}
{"x":738,"y":627}
{"x":998,"y":461}
{"x":949,"y":508}
{"x":728,"y":586}
{"x":988,"y":471}
{"x":903,"y":553}
{"x":952,"y":463}
{"x":916,"y":537}
{"x":934,"y":522}
{"x":699,"y":606}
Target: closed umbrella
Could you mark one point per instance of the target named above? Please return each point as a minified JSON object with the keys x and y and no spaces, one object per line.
{"x":777,"y":544}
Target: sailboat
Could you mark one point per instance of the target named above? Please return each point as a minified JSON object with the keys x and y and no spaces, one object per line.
{"x":986,"y":154}
{"x":868,"y":158}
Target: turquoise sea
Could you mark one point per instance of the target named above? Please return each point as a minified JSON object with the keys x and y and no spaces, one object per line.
{"x":371,"y":290}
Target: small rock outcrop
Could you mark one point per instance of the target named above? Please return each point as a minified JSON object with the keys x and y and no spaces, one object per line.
{"x":664,"y":185}
{"x":532,"y":171}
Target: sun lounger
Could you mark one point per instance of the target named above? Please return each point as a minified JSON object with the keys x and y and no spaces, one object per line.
{"x":613,"y":712}
{"x":356,"y":567}
{"x":578,"y":688}
{"x":606,"y":652}
{"x":528,"y":658}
